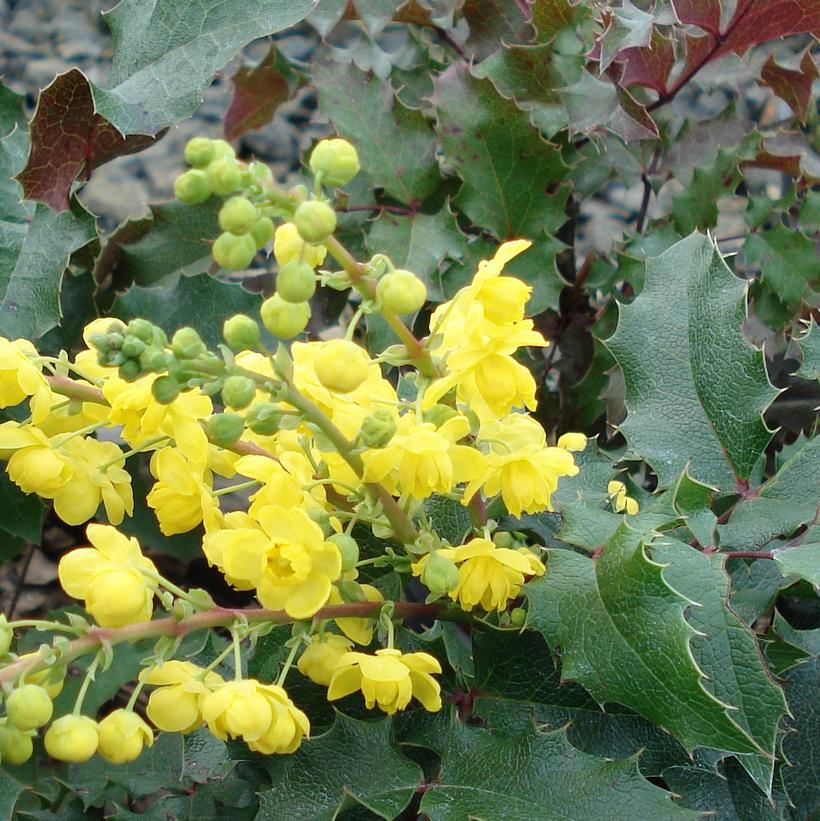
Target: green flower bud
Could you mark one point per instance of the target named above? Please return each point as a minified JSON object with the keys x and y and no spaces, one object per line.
{"x":241,"y":333}
{"x":238,"y":392}
{"x":142,"y":329}
{"x":115,"y":340}
{"x":262,"y":231}
{"x":263,"y":418}
{"x":440,"y":575}
{"x":336,"y":160}
{"x":130,"y":370}
{"x":518,"y":616}
{"x":186,"y":343}
{"x":321,"y":518}
{"x":234,"y":252}
{"x":439,"y":414}
{"x":348,"y":548}
{"x":401,"y":292}
{"x":284,"y":319}
{"x":132,"y":347}
{"x":237,"y":215}
{"x":6,"y":636}
{"x":154,"y":359}
{"x":199,"y":151}
{"x":224,"y":176}
{"x":165,"y":389}
{"x":503,"y":539}
{"x":224,"y":428}
{"x":29,"y":707}
{"x":296,"y":281}
{"x":260,"y":174}
{"x":192,"y":187}
{"x":16,"y":746}
{"x":99,"y":342}
{"x":377,"y":429}
{"x":223,"y":150}
{"x":315,"y":221}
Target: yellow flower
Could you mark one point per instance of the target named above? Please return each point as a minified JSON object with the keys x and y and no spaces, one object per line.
{"x":175,"y":705}
{"x":123,"y":734}
{"x":282,"y":481}
{"x":34,"y":465}
{"x":488,"y":576}
{"x":110,"y":577}
{"x":16,"y":746}
{"x":51,"y":679}
{"x":182,"y":496}
{"x":72,"y":738}
{"x":321,"y":657}
{"x":133,"y":406}
{"x":421,"y":460}
{"x":21,"y":377}
{"x":572,"y":441}
{"x":519,"y":465}
{"x":389,"y":679}
{"x":289,"y":246}
{"x":237,"y":710}
{"x":289,"y":725}
{"x":67,"y":417}
{"x":357,"y":628}
{"x":620,"y":501}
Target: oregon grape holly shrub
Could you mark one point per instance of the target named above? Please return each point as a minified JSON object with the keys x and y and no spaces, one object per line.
{"x":469,"y":473}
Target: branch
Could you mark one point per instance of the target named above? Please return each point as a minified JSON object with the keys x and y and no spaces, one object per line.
{"x":747,"y":554}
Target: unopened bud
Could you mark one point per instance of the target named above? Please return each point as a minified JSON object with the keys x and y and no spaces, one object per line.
{"x":263,"y":418}
{"x":315,"y":221}
{"x":377,"y":429}
{"x":192,"y":187}
{"x":224,"y":429}
{"x":336,"y":160}
{"x":154,"y":358}
{"x":348,"y":548}
{"x":224,"y":176}
{"x":341,"y":365}
{"x":238,"y":391}
{"x":518,"y":616}
{"x":234,"y":251}
{"x":199,"y":151}
{"x":130,"y":370}
{"x":262,"y":231}
{"x":186,"y":343}
{"x":296,"y":281}
{"x":284,"y":319}
{"x":165,"y":389}
{"x":241,"y":333}
{"x":401,"y":292}
{"x":440,"y":574}
{"x":238,"y":215}
{"x":142,"y":329}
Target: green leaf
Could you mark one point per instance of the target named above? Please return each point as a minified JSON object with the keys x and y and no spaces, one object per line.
{"x":806,"y":640}
{"x":755,"y":585}
{"x":201,"y":301}
{"x":450,"y":519}
{"x":167,"y":52}
{"x":29,"y":283}
{"x":21,"y":514}
{"x":784,"y":502}
{"x":725,"y":649}
{"x":10,"y":790}
{"x":802,"y":561}
{"x":787,"y":261}
{"x":355,"y":762}
{"x":801,"y":744}
{"x":695,"y":390}
{"x":623,"y":637}
{"x":693,"y":500}
{"x":511,"y":177}
{"x":396,"y":144}
{"x":533,"y":775}
{"x":810,"y":350}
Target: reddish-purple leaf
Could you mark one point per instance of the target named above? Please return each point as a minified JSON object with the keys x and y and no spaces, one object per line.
{"x":69,"y":140}
{"x":703,"y":13}
{"x":756,"y":21}
{"x":792,"y":86}
{"x":257,"y":93}
{"x":649,"y":66}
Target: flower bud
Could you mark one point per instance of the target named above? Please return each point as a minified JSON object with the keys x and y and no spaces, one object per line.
{"x":199,"y":151}
{"x":401,"y":292}
{"x":154,"y":358}
{"x":99,"y":342}
{"x":122,"y":736}
{"x":72,"y":738}
{"x":321,"y":658}
{"x":572,"y":441}
{"x":321,"y":517}
{"x":348,"y":548}
{"x":501,"y":538}
{"x":262,"y":231}
{"x":192,"y":187}
{"x":288,"y":245}
{"x":440,"y":575}
{"x":238,"y":391}
{"x":296,"y":281}
{"x":284,"y":319}
{"x":16,"y":746}
{"x":130,"y":370}
{"x":224,"y":176}
{"x":29,"y":707}
{"x":263,"y":418}
{"x":341,"y":365}
{"x":223,"y":150}
{"x":439,"y":414}
{"x":224,"y":429}
{"x":315,"y":221}
{"x":115,"y":340}
{"x":142,"y":329}
{"x":165,"y":389}
{"x":186,"y":343}
{"x":377,"y":429}
{"x":336,"y":160}
{"x":132,"y":347}
{"x":234,"y":251}
{"x":241,"y":333}
{"x":518,"y":616}
{"x":6,"y":636}
{"x":238,"y":215}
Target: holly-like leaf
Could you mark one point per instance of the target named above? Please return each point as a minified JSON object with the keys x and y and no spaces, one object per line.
{"x":801,"y":744}
{"x":725,"y":650}
{"x":802,"y":561}
{"x":696,"y":206}
{"x":629,"y":27}
{"x":755,"y":586}
{"x":549,"y":775}
{"x":793,"y":86}
{"x":257,"y":93}
{"x":29,"y":283}
{"x":623,"y":637}
{"x":703,"y":13}
{"x":695,"y":390}
{"x":810,"y":350}
{"x":787,"y":260}
{"x":21,"y":514}
{"x":493,"y":22}
{"x":756,"y":21}
{"x":783,"y":503}
{"x":200,"y":301}
{"x":69,"y":140}
{"x":396,"y":144}
{"x":510,"y":175}
{"x":648,"y":65}
{"x":354,"y":763}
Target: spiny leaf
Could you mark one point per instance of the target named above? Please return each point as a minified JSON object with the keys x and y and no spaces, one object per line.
{"x":756,"y":21}
{"x":696,"y":206}
{"x":69,"y":140}
{"x":629,"y":27}
{"x":810,"y":349}
{"x":623,"y":637}
{"x":802,"y":561}
{"x":801,"y":744}
{"x":695,"y":390}
{"x":649,"y":65}
{"x":21,"y":514}
{"x":703,"y":13}
{"x":793,"y":86}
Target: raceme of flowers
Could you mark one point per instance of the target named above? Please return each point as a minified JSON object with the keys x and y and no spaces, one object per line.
{"x":281,"y":458}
